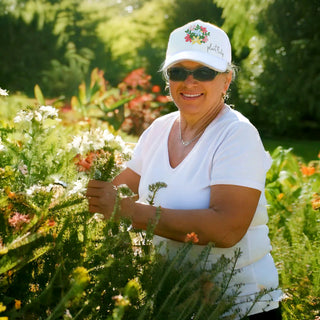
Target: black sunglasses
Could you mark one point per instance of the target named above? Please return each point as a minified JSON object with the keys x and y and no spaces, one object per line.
{"x":200,"y":74}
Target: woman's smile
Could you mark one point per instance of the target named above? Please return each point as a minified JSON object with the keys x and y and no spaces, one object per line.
{"x":191,"y":96}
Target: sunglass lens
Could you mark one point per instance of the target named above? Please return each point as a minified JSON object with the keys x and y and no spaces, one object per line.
{"x":204,"y":74}
{"x":177,"y":74}
{"x":200,"y":74}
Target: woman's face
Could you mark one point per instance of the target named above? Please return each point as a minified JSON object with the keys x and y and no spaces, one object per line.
{"x":198,"y":98}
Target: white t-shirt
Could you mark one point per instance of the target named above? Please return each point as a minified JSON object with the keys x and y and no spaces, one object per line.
{"x":230,"y":151}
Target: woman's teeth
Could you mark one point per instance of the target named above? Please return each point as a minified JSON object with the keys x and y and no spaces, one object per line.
{"x":191,"y":95}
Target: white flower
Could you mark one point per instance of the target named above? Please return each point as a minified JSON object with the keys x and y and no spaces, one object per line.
{"x":120,"y":142}
{"x":23,"y":115}
{"x":23,"y":169}
{"x":75,"y":144}
{"x":17,"y":119}
{"x":49,"y":112}
{"x":2,"y":146}
{"x":37,"y":116}
{"x":107,"y":136}
{"x":3,"y":92}
{"x":37,"y":188}
{"x":79,"y":186}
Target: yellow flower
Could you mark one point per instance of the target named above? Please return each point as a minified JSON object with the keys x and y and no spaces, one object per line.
{"x":2,"y":307}
{"x":196,"y":40}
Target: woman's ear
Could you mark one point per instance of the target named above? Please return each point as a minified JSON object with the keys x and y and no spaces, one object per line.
{"x":228,"y":79}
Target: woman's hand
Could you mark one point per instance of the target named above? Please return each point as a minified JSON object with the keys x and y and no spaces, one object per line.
{"x":102,"y":197}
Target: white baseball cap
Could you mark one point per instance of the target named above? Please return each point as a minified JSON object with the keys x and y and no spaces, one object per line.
{"x":199,"y":41}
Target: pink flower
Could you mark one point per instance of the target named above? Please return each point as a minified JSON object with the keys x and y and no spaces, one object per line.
{"x":204,"y":29}
{"x":18,"y":219}
{"x":205,"y":39}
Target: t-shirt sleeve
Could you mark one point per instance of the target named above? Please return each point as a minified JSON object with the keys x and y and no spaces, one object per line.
{"x":241,"y":158}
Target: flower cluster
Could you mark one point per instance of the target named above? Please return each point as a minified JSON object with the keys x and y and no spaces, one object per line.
{"x":308,"y":170}
{"x":97,"y":139}
{"x":197,"y":34}
{"x":39,"y":114}
{"x":17,"y":220}
{"x":192,"y":237}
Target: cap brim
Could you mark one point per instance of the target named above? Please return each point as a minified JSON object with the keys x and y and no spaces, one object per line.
{"x":208,"y":60}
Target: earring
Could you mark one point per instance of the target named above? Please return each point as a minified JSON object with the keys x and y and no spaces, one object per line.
{"x":224,"y":95}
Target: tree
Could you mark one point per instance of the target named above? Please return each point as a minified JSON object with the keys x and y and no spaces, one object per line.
{"x":276,"y":45}
{"x":289,"y":84}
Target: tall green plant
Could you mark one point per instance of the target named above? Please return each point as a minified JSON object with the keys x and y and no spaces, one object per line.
{"x":293,"y":194}
{"x":59,"y":261}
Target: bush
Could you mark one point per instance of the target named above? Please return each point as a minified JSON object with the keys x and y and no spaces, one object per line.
{"x":59,"y":261}
{"x":293,"y":192}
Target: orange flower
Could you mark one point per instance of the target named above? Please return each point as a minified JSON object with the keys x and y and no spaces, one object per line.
{"x":51,"y":222}
{"x":11,"y":195}
{"x":17,"y":304}
{"x":34,"y":287}
{"x":316,"y":201}
{"x":192,"y":237}
{"x":84,"y":164}
{"x":280,"y":196}
{"x":307,"y":170}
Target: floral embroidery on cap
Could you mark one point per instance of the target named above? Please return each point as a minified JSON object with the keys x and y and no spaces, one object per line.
{"x":197,"y":34}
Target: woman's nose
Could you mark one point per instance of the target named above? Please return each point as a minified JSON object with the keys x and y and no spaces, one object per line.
{"x":190,"y":79}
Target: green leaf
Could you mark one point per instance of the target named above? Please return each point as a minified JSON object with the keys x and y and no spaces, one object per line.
{"x":38,"y":95}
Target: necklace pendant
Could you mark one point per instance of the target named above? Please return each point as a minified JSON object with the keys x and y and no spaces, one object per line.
{"x":185,"y":143}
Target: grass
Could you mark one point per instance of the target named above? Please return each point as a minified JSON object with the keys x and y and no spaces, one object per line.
{"x":306,"y":149}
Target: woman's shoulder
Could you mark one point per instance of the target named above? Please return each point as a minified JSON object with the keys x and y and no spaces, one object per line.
{"x":158,"y":126}
{"x":167,"y":117}
{"x":232,"y":118}
{"x":163,"y":121}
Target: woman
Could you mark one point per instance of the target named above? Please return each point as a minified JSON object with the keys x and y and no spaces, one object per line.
{"x":213,"y":162}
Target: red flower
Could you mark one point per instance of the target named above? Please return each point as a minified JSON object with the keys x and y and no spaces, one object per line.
{"x":163,"y":99}
{"x":156,"y":89}
{"x":137,"y":78}
{"x":204,"y":29}
{"x":51,"y":222}
{"x":188,"y":38}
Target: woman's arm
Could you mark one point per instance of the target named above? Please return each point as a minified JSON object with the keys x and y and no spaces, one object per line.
{"x":128,"y":177}
{"x":224,"y":223}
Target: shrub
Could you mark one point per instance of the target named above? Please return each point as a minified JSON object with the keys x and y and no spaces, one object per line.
{"x":59,"y":261}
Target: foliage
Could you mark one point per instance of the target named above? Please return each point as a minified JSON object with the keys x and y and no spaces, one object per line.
{"x":28,"y":51}
{"x":293,"y":192}
{"x":275,"y":44}
{"x":59,"y":261}
{"x":131,"y":107}
{"x":290,"y":54}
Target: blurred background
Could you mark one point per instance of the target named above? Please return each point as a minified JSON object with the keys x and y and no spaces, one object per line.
{"x":276,"y":45}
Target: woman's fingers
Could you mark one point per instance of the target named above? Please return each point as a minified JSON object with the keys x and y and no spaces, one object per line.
{"x":101,"y":196}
